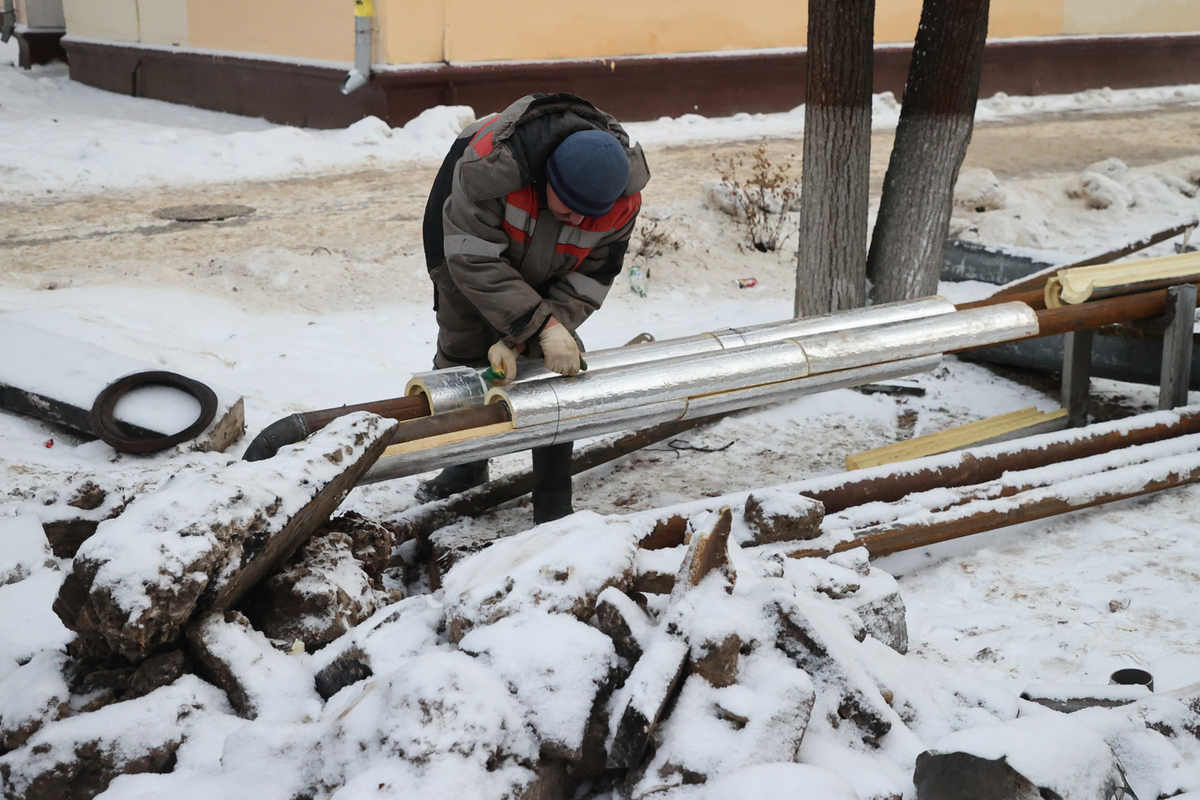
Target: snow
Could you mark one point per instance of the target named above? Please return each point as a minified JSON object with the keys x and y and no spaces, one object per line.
{"x":23,"y":548}
{"x":1060,"y":603}
{"x":1052,"y":750}
{"x":546,"y":659}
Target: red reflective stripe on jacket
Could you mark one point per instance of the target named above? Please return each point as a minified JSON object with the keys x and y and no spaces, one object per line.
{"x":579,"y":253}
{"x":515,"y":233}
{"x":481,"y":142}
{"x":618,"y":216}
{"x":525,"y":199}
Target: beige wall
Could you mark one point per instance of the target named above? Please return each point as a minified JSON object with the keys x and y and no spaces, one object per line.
{"x":620,"y":27}
{"x":163,"y":22}
{"x":409,"y":32}
{"x":318,"y":29}
{"x":1131,"y":16}
{"x":1010,"y":18}
{"x":424,"y":31}
{"x":40,"y":13}
{"x":116,"y":20}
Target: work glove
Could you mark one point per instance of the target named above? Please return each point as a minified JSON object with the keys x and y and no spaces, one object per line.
{"x":503,"y":361}
{"x":559,"y":348}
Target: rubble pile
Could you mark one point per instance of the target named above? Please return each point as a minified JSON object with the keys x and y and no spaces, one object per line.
{"x":228,"y":634}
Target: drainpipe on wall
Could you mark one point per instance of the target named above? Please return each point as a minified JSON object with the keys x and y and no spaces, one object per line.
{"x":364,"y":18}
{"x":8,"y":22}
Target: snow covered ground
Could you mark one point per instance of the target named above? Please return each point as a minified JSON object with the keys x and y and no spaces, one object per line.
{"x":1067,"y":601}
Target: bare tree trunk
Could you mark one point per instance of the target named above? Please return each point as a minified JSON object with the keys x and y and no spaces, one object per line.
{"x":909,"y":242}
{"x":831,"y":260}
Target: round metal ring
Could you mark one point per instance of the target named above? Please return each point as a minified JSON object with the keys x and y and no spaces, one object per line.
{"x":105,"y":425}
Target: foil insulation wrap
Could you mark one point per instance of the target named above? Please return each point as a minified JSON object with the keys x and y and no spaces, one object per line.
{"x":590,"y":393}
{"x":418,"y":461}
{"x":444,"y":387}
{"x":449,"y":389}
{"x":972,"y":328}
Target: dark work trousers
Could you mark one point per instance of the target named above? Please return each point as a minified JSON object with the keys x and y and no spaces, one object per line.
{"x":551,"y":465}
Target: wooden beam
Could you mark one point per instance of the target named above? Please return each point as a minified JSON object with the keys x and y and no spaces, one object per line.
{"x":952,"y":439}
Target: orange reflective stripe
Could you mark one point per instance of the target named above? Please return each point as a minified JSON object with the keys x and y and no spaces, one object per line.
{"x":520,"y":214}
{"x":481,"y":142}
{"x":515,"y":233}
{"x":618,"y":216}
{"x":525,"y":199}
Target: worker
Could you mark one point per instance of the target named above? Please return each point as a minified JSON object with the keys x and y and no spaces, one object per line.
{"x":525,"y":229}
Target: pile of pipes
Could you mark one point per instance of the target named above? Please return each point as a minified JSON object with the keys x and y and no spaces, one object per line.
{"x":681,"y":379}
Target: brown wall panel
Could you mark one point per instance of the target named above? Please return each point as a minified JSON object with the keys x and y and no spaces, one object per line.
{"x":632,"y":88}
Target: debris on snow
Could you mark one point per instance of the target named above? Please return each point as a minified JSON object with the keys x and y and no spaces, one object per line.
{"x":1099,"y":191}
{"x":260,"y":681}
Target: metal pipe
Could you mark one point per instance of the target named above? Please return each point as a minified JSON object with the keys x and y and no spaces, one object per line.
{"x":297,"y":427}
{"x":541,"y":402}
{"x":1072,"y":495}
{"x":544,"y":401}
{"x":364,"y":18}
{"x":891,"y":482}
{"x":449,"y":389}
{"x":412,"y":458}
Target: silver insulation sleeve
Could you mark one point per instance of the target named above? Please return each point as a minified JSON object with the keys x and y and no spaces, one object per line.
{"x":588,"y":394}
{"x":973,"y":328}
{"x":418,"y":461}
{"x":449,"y":389}
{"x":442,"y":387}
{"x":542,"y":402}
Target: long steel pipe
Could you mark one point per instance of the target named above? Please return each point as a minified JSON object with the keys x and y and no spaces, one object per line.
{"x":410,"y":458}
{"x":541,"y":402}
{"x":462,"y":387}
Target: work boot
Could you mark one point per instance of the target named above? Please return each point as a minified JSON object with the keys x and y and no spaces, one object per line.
{"x":552,"y":482}
{"x":453,"y":480}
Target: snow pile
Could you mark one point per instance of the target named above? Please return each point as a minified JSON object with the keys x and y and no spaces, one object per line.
{"x":560,"y":567}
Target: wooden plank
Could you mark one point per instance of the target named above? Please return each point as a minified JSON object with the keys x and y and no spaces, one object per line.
{"x":1177,"y":347}
{"x":952,"y":439}
{"x":56,"y":379}
{"x":448,"y":438}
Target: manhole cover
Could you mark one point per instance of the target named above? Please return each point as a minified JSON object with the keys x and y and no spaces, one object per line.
{"x":203,"y":213}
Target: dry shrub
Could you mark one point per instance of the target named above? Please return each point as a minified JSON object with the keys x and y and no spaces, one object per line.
{"x":653,"y":239}
{"x":763,"y":197}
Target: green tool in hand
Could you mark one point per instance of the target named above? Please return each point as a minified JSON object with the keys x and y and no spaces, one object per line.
{"x":492,"y":375}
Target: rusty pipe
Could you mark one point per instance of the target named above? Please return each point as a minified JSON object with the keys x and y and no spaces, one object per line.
{"x":889,"y":483}
{"x":297,"y":427}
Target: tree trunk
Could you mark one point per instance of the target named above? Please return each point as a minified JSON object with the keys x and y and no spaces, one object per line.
{"x":909,"y":242}
{"x":831,"y":260}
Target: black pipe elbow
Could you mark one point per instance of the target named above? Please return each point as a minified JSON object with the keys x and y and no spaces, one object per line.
{"x":288,"y":430}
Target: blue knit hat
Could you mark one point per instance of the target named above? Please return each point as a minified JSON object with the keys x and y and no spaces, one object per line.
{"x":588,"y":172}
